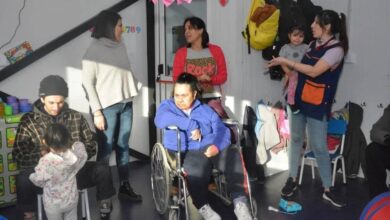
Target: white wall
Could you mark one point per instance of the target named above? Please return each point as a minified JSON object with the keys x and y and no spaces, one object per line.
{"x":44,"y":20}
{"x":366,"y":75}
{"x":367,"y":78}
{"x":246,"y":82}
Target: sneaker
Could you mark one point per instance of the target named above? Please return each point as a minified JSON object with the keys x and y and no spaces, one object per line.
{"x":329,"y":196}
{"x":289,"y":188}
{"x":208,"y":213}
{"x":242,"y":211}
{"x":126,"y":192}
{"x":105,"y":209}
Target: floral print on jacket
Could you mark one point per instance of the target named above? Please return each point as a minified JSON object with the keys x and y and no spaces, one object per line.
{"x":56,"y":174}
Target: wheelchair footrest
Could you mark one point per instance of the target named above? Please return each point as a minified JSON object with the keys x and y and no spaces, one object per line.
{"x":226,"y":201}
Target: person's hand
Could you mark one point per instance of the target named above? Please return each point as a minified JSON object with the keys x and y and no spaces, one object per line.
{"x":204,"y":78}
{"x":276,"y":61}
{"x":211,"y":151}
{"x":195,"y":134}
{"x":98,"y":119}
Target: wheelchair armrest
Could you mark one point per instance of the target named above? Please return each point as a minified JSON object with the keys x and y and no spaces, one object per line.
{"x":230,"y":121}
{"x":172,"y":127}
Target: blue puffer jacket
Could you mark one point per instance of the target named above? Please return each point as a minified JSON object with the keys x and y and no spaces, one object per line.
{"x":202,"y":117}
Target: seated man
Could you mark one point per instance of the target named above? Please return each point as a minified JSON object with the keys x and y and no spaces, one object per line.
{"x":27,"y":149}
{"x":205,"y":143}
{"x":378,"y":155}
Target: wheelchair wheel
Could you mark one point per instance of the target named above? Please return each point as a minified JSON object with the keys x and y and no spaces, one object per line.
{"x":160,"y":178}
{"x":173,"y":214}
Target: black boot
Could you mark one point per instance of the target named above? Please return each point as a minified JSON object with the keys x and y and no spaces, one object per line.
{"x":126,"y":192}
{"x":105,"y":209}
{"x":105,"y":216}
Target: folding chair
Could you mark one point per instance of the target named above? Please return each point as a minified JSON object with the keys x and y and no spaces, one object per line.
{"x":335,"y":127}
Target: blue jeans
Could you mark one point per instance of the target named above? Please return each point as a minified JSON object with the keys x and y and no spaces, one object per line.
{"x":118,"y":119}
{"x":317,"y":132}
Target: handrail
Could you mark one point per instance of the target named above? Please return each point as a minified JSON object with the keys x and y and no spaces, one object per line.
{"x":58,"y":42}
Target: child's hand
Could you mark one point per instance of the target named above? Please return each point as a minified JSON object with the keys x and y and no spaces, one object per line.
{"x":276,"y":61}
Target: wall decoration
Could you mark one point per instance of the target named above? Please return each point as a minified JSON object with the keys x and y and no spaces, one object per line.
{"x":134,"y":29}
{"x":168,"y":3}
{"x":19,"y":52}
{"x":223,"y":2}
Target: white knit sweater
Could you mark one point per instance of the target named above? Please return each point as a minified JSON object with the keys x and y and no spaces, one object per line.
{"x":107,"y":77}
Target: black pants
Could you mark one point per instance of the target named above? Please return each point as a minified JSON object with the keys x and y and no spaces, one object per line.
{"x":199,"y":170}
{"x":378,"y":160}
{"x":92,"y":174}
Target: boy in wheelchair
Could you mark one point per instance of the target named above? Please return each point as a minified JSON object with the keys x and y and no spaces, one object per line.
{"x":205,"y":144}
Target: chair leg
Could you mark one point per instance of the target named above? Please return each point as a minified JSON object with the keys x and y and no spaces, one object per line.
{"x":85,"y":204}
{"x":82,"y":204}
{"x":313,"y":175}
{"x":334,"y":171}
{"x":301,"y":172}
{"x":39,"y":200}
{"x":343,"y":167}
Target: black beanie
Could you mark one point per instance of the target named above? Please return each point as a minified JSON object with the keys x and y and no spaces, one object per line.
{"x":53,"y":85}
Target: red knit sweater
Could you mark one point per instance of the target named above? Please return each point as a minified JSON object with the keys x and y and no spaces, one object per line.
{"x":216,"y":52}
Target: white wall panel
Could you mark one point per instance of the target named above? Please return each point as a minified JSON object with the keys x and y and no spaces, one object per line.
{"x":66,"y":60}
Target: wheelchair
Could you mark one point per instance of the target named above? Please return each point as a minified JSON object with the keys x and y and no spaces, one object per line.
{"x":165,"y":169}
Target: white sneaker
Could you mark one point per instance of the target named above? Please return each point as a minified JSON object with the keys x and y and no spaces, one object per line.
{"x":208,"y":213}
{"x":242,"y":212}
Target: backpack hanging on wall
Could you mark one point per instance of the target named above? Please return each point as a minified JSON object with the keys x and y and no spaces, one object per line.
{"x":262,"y":25}
{"x":309,"y":11}
{"x":290,"y":14}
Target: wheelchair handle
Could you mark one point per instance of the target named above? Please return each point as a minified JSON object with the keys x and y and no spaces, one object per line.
{"x":174,"y":127}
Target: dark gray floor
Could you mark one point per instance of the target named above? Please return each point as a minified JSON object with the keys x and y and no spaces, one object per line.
{"x":309,"y":195}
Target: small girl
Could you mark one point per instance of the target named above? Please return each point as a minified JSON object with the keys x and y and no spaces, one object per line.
{"x":56,"y":173}
{"x":293,"y":51}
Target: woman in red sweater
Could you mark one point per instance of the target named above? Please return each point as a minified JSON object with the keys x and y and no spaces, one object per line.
{"x":200,"y":58}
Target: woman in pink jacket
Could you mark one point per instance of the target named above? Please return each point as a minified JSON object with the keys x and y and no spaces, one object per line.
{"x":200,"y":58}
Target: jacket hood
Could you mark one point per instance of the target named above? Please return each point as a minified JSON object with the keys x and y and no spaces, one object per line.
{"x":355,"y":115}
